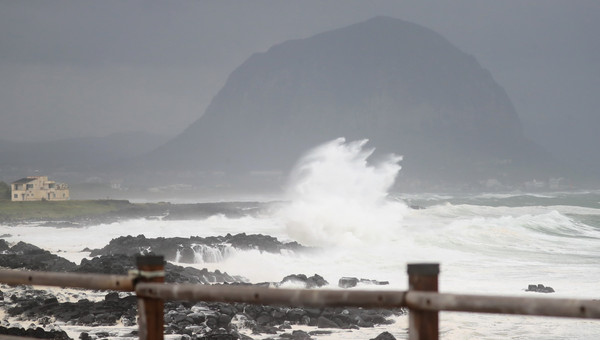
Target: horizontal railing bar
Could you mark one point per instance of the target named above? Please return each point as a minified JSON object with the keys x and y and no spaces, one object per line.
{"x":273,"y":296}
{"x":432,"y":301}
{"x":575,"y":308}
{"x":16,"y":337}
{"x":72,"y":280}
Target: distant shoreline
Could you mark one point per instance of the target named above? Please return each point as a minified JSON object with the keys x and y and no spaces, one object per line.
{"x":88,"y":212}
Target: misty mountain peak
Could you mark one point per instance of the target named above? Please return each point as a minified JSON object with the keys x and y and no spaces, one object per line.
{"x":400,"y":85}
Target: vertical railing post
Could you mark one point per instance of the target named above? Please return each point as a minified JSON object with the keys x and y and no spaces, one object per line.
{"x":423,"y":325}
{"x":151,"y":312}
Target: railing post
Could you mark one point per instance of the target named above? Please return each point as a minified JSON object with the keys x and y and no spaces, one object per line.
{"x":151,"y":311}
{"x":423,"y":325}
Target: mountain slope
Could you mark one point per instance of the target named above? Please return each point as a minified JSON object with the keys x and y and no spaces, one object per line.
{"x":402,"y":86}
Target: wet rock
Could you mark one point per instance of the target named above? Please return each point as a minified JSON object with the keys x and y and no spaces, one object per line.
{"x":539,"y":288}
{"x":320,"y":332}
{"x":224,"y":320}
{"x":227,"y":309}
{"x":116,"y":264}
{"x":197,"y":318}
{"x":278,"y":315}
{"x":27,"y":256}
{"x":102,"y":335}
{"x":87,"y":319}
{"x":349,"y":282}
{"x":323,"y":322}
{"x":212,"y":321}
{"x":120,"y":264}
{"x":4,"y":245}
{"x":295,"y":314}
{"x":296,"y":335}
{"x":34,"y":333}
{"x":112,"y":296}
{"x":219,"y":334}
{"x":313,"y":312}
{"x":38,"y":305}
{"x":264,"y":319}
{"x":188,"y":250}
{"x":384,"y":336}
{"x":314,"y":281}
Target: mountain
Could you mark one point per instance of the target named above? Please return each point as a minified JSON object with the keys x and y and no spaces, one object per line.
{"x":400,"y":85}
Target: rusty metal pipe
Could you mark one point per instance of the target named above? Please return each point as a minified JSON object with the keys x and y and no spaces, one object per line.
{"x":73,"y":280}
{"x":575,"y":308}
{"x":319,"y":298}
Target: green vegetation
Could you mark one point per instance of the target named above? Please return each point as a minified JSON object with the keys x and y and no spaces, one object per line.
{"x":4,"y":191}
{"x":90,"y":212}
{"x":65,"y":210}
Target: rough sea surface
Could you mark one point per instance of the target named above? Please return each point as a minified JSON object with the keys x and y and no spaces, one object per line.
{"x":493,"y":244}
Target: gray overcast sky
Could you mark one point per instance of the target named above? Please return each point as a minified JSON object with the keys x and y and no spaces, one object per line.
{"x":81,"y":68}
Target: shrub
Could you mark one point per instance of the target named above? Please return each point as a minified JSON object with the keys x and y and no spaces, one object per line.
{"x":4,"y":191}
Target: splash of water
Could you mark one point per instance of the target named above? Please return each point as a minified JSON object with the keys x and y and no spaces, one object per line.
{"x":338,"y":198}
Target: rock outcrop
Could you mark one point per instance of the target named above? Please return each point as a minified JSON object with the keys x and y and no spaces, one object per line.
{"x":27,"y":256}
{"x":539,"y":288}
{"x":196,"y":249}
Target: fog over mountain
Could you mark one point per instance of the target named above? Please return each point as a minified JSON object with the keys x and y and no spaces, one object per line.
{"x":400,"y":85}
{"x":72,"y":74}
{"x":74,"y":159}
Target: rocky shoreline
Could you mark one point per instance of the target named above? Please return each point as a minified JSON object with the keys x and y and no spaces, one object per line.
{"x":187,"y":250}
{"x":201,"y":320}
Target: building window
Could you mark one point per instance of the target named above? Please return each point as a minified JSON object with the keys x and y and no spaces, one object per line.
{"x":29,"y":186}
{"x":16,"y":196}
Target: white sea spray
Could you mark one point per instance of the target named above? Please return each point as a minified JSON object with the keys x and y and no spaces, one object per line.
{"x":338,"y":198}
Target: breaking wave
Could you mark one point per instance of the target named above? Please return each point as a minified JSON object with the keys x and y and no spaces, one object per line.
{"x":337,"y":197}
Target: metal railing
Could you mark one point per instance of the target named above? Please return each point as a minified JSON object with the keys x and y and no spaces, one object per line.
{"x":422,"y":299}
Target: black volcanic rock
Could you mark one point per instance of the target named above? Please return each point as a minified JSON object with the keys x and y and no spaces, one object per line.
{"x":37,"y":332}
{"x":349,"y":282}
{"x":42,"y":306}
{"x":120,"y":264}
{"x":27,"y":256}
{"x":4,"y":245}
{"x":195,"y":249}
{"x":384,"y":336}
{"x":539,"y":288}
{"x":403,"y":86}
{"x":314,"y":281}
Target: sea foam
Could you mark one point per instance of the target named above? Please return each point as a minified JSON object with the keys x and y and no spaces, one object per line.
{"x":337,"y":197}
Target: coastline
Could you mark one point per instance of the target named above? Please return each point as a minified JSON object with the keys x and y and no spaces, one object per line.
{"x":74,"y":213}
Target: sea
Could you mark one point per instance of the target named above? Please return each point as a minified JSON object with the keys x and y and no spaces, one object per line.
{"x":361,"y":225}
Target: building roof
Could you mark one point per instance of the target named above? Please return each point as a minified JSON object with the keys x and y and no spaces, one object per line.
{"x":24,"y":180}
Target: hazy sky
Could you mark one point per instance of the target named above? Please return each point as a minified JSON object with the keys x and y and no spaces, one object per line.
{"x":79,"y":68}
